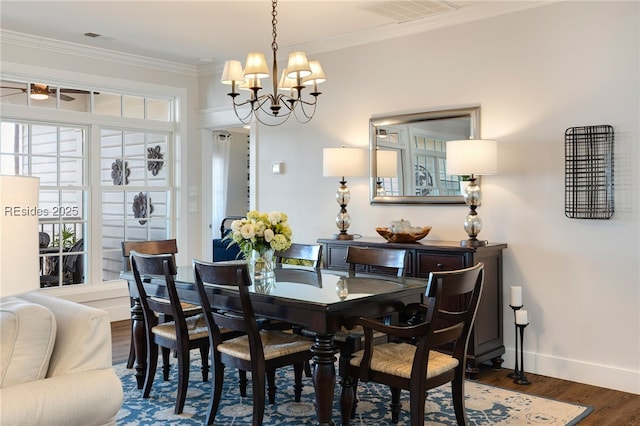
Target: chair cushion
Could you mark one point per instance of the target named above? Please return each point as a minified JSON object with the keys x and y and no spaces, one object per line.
{"x":396,"y":359}
{"x":275,"y":344}
{"x":196,"y":326}
{"x":187,"y":308}
{"x":28,"y":334}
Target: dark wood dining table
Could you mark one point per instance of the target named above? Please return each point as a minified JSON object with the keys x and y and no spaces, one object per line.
{"x":320,"y":300}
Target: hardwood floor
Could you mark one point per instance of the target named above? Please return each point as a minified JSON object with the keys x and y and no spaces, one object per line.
{"x":611,"y":408}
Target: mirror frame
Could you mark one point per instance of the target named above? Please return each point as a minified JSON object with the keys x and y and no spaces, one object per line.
{"x":473,"y":112}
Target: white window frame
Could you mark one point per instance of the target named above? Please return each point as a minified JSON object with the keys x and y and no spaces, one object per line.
{"x":96,"y":289}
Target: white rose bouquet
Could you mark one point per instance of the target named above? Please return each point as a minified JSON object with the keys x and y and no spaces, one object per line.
{"x":260,"y":232}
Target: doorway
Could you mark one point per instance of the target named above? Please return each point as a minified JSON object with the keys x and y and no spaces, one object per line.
{"x":226,"y":178}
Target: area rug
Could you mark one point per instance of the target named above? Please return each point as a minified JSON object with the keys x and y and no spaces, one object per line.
{"x":486,"y":405}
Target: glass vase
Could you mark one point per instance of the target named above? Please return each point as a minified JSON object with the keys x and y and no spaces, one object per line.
{"x":261,"y":266}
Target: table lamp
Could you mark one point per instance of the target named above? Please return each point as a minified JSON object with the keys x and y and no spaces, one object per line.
{"x":343,"y":162}
{"x":19,"y":240}
{"x":386,"y":167}
{"x":472,"y":157}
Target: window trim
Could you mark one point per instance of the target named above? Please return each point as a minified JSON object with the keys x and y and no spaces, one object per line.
{"x":94,"y":122}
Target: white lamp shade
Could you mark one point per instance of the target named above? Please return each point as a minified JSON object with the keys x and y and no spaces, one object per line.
{"x":286,"y":83}
{"x":472,"y":156}
{"x":19,"y":242}
{"x":386,"y":163}
{"x":232,"y":72}
{"x":341,"y":162}
{"x":317,"y":74}
{"x":298,"y":65}
{"x":256,"y":66}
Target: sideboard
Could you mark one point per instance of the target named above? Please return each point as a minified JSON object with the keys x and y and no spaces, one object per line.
{"x":486,"y":342}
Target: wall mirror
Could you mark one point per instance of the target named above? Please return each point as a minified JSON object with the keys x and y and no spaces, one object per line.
{"x":408,"y":152}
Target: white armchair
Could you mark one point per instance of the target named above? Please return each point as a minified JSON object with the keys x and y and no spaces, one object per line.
{"x":55,"y":363}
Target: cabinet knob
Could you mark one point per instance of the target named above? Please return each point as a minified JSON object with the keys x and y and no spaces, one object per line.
{"x":439,"y":265}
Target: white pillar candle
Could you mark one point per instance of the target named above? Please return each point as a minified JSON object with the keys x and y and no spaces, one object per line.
{"x":522,"y":317}
{"x":516,"y":296}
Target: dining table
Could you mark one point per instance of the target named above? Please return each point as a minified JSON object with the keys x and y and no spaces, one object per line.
{"x":320,"y":301}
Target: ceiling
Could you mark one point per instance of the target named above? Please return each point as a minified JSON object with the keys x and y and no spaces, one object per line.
{"x":196,"y":33}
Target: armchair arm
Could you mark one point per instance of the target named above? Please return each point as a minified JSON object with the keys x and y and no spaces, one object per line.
{"x":402,"y":331}
{"x":415,"y":329}
{"x":85,"y":398}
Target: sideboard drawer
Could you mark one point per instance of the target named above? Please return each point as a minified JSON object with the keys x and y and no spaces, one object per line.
{"x":427,"y":262}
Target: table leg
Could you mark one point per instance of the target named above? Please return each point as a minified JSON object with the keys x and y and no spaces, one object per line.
{"x":139,"y":342}
{"x":324,"y":378}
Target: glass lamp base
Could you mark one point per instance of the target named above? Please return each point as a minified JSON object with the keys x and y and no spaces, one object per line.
{"x":473,"y":243}
{"x":344,"y":236}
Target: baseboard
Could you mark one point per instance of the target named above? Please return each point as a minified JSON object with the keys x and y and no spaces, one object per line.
{"x":604,"y":376}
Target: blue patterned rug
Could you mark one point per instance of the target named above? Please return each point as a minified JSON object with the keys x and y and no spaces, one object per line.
{"x":486,"y":405}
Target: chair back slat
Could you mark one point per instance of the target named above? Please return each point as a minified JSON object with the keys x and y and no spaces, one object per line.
{"x":311,"y":253}
{"x":147,"y":247}
{"x":393,"y":259}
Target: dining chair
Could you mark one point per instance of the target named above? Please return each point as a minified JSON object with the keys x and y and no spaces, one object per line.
{"x":308,"y":255}
{"x":301,"y":254}
{"x":151,"y":247}
{"x":419,"y":361}
{"x":376,"y":260}
{"x":259,"y":351}
{"x":181,"y":334}
{"x":371,"y":260}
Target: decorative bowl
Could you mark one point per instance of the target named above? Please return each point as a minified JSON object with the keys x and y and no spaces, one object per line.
{"x":403,"y":237}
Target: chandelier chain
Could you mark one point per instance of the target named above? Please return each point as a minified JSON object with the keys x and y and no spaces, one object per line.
{"x":274,"y":21}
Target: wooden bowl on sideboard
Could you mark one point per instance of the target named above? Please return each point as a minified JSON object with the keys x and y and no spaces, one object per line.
{"x":403,"y":237}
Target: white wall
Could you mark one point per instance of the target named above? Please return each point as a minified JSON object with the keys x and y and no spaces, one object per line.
{"x":534,"y":73}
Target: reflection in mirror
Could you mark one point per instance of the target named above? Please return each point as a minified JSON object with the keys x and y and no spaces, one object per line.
{"x":408,"y":154}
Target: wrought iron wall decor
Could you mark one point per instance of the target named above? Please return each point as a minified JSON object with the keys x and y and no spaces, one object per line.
{"x":142,"y":207}
{"x":589,"y":172}
{"x":155,"y":162}
{"x":120,"y":172}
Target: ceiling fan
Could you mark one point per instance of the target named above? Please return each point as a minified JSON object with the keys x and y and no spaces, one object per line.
{"x":41,"y":91}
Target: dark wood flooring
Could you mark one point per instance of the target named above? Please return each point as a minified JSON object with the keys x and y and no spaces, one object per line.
{"x":611,"y":408}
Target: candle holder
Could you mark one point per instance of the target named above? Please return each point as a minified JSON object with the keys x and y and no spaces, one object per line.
{"x":516,"y":370}
{"x":522,"y":378}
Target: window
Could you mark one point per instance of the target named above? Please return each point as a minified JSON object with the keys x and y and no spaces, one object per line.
{"x":136,"y":195}
{"x":104,"y":173}
{"x":57,"y":155}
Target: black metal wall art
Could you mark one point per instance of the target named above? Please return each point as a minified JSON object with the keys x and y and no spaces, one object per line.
{"x":142,"y":208}
{"x":154,"y":165}
{"x":120,"y":172}
{"x":589,"y":172}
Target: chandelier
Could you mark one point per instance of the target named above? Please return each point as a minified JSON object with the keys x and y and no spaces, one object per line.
{"x":274,"y":108}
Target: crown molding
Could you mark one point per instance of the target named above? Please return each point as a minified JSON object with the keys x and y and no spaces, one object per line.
{"x":475,"y":12}
{"x":91,"y":52}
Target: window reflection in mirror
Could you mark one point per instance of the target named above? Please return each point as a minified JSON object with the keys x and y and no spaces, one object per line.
{"x":408,"y":161}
